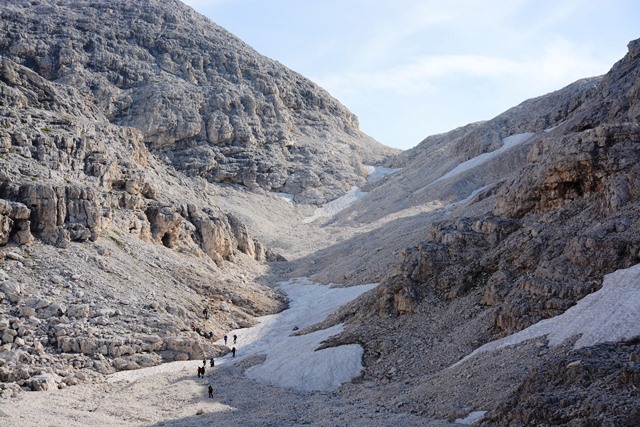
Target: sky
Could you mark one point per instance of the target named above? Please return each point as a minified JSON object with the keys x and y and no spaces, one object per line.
{"x":413,"y":68}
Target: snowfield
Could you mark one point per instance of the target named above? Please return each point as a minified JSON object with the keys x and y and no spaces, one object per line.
{"x":333,"y":207}
{"x":609,"y":315}
{"x":292,"y":361}
{"x":376,"y":173}
{"x":507,"y":143}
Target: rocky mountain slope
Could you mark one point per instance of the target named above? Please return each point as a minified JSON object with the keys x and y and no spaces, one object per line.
{"x":101,"y":260}
{"x":203,"y":100}
{"x":141,"y":149}
{"x":514,"y":237}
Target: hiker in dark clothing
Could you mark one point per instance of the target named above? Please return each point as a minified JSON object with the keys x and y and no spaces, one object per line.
{"x":212,"y":363}
{"x":210,"y":391}
{"x":233,"y":351}
{"x":225,"y":340}
{"x":205,"y":312}
{"x":199,"y":371}
{"x":235,"y":337}
{"x":204,"y":362}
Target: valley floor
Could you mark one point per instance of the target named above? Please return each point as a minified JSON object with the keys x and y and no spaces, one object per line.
{"x":293,"y":385}
{"x":278,"y":379}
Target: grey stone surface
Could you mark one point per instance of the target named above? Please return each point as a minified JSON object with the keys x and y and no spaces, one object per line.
{"x":140,"y":146}
{"x":203,"y":99}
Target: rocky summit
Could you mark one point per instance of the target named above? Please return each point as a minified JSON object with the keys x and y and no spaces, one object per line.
{"x":203,"y":100}
{"x":160,"y":180}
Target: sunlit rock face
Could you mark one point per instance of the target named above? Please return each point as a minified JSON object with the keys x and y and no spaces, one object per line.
{"x":209,"y":103}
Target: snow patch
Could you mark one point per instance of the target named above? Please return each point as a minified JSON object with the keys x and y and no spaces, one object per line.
{"x":286,"y":196}
{"x":297,"y":364}
{"x":609,"y":315}
{"x":292,"y":361}
{"x":472,"y":418}
{"x":507,"y":143}
{"x":376,"y":173}
{"x":553,"y":127}
{"x":467,"y":199}
{"x":333,"y":207}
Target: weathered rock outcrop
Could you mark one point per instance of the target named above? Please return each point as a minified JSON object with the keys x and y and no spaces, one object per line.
{"x":58,"y":144}
{"x":72,"y":180}
{"x":219,"y":235}
{"x":518,"y":238}
{"x":209,"y":103}
{"x":14,"y":223}
{"x":60,"y":214}
{"x":595,"y":386}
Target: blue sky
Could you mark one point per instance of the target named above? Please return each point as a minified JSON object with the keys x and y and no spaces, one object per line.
{"x":412,"y":68}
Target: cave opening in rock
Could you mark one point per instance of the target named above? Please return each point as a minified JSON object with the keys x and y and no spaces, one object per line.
{"x":166,"y":240}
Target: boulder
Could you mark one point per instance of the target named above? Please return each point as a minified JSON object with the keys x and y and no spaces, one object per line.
{"x":12,"y":290}
{"x":79,"y":311}
{"x":192,"y":348}
{"x":44,"y":382}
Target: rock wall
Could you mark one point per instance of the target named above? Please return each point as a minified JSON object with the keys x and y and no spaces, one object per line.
{"x":539,"y":234}
{"x":555,"y":230}
{"x":209,"y":103}
{"x":556,"y":224}
{"x":54,"y":143}
{"x":76,"y":194}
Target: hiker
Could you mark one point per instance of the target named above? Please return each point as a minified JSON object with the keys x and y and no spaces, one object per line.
{"x":233,"y":351}
{"x":199,"y":371}
{"x":225,"y":340}
{"x":205,"y":313}
{"x":204,"y":362}
{"x":235,"y":337}
{"x":202,"y":371}
{"x":210,"y":391}
{"x":212,"y":363}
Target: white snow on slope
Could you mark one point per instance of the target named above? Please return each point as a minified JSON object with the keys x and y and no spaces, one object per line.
{"x":467,"y":199}
{"x":609,"y":315}
{"x":472,"y":418}
{"x":507,"y":143}
{"x":286,"y":197}
{"x":553,"y":127}
{"x":292,"y":360}
{"x":376,"y":173}
{"x":333,"y":207}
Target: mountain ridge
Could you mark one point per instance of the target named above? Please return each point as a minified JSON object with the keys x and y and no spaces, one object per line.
{"x":204,"y":99}
{"x":119,"y":225}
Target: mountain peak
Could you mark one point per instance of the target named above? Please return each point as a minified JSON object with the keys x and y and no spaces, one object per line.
{"x":210,"y":104}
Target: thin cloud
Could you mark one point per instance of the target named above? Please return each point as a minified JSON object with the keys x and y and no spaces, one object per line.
{"x":558,"y":64}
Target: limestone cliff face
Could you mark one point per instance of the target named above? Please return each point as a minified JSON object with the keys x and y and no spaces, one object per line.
{"x":64,"y":174}
{"x":210,"y":104}
{"x":71,"y":182}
